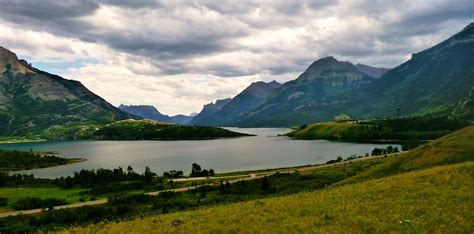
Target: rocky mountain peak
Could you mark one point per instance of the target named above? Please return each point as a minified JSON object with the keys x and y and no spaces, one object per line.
{"x":9,"y":62}
{"x":325,"y":64}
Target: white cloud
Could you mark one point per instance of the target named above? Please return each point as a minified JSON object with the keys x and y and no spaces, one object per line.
{"x":179,"y":55}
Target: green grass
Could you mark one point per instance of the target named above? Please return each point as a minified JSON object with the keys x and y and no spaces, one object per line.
{"x":13,"y":194}
{"x":396,"y":129}
{"x":453,"y":148}
{"x":433,"y":200}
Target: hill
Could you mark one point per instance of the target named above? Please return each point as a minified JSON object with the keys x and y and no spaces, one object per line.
{"x":438,"y":81}
{"x":243,"y":102}
{"x":32,"y":100}
{"x":453,"y":148}
{"x":397,"y":129}
{"x":153,"y":130}
{"x":433,"y":200}
{"x":150,"y":112}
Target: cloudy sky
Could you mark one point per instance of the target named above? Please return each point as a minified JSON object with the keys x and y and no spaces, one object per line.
{"x":179,"y":55}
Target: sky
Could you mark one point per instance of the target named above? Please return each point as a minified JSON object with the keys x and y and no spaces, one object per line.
{"x":179,"y":55}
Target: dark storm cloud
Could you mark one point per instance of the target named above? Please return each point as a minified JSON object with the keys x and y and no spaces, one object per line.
{"x":206,"y":28}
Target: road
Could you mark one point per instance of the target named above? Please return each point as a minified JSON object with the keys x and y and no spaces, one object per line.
{"x":251,"y":176}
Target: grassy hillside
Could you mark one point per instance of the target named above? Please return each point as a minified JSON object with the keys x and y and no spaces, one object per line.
{"x":154,"y":130}
{"x":453,"y":148}
{"x":434,"y":200}
{"x":406,"y":128}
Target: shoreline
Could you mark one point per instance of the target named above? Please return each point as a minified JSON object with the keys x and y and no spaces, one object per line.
{"x":70,"y":161}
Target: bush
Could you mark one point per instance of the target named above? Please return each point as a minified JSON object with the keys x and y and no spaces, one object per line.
{"x":3,"y":201}
{"x":29,"y":203}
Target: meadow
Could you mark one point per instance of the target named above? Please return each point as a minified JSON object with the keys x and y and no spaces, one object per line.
{"x":433,"y":200}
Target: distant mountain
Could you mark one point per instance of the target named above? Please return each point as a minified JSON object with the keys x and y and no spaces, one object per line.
{"x":150,"y":112}
{"x":375,"y":72}
{"x":32,"y":100}
{"x":208,"y":110}
{"x":437,"y":81}
{"x":243,"y":102}
{"x":296,"y":100}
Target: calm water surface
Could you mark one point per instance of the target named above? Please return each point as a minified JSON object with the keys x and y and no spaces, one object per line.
{"x":223,"y":155}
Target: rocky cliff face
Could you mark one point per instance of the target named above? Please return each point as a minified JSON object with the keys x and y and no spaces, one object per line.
{"x":32,"y":100}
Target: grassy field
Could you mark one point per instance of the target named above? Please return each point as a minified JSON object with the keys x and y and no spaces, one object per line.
{"x":433,"y":200}
{"x":13,"y":194}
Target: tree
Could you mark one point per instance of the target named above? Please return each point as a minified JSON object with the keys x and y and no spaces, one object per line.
{"x":195,"y":170}
{"x":390,"y":149}
{"x":211,"y":172}
{"x":265,"y":184}
{"x":148,"y":175}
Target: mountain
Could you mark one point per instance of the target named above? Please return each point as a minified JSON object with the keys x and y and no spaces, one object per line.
{"x":243,"y":102}
{"x":434,"y":81}
{"x":182,"y":119}
{"x":437,"y":81}
{"x":208,"y":110}
{"x":296,"y":101}
{"x":150,"y":112}
{"x":32,"y":100}
{"x":375,"y":72}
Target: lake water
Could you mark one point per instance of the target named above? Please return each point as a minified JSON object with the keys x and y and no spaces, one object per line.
{"x":223,"y":155}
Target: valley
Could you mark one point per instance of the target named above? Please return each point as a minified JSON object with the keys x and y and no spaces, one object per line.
{"x":298,"y":134}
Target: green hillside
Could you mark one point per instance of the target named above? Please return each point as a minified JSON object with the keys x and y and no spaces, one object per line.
{"x":453,"y":148}
{"x":435,"y":200}
{"x":154,"y":130}
{"x":397,"y":129}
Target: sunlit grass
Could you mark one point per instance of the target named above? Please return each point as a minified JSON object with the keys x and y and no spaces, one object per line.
{"x":13,"y":194}
{"x":439,"y":199}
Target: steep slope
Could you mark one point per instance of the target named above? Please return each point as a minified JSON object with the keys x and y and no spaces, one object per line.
{"x":208,"y":110}
{"x":434,"y":81}
{"x":375,"y":72}
{"x":243,"y":102}
{"x":32,"y":100}
{"x":297,"y":101}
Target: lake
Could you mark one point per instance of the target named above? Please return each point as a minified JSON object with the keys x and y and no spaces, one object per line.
{"x":223,"y":155}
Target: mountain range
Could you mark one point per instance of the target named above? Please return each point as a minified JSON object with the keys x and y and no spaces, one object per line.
{"x":32,"y":100}
{"x":437,"y":81}
{"x":150,"y":112}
